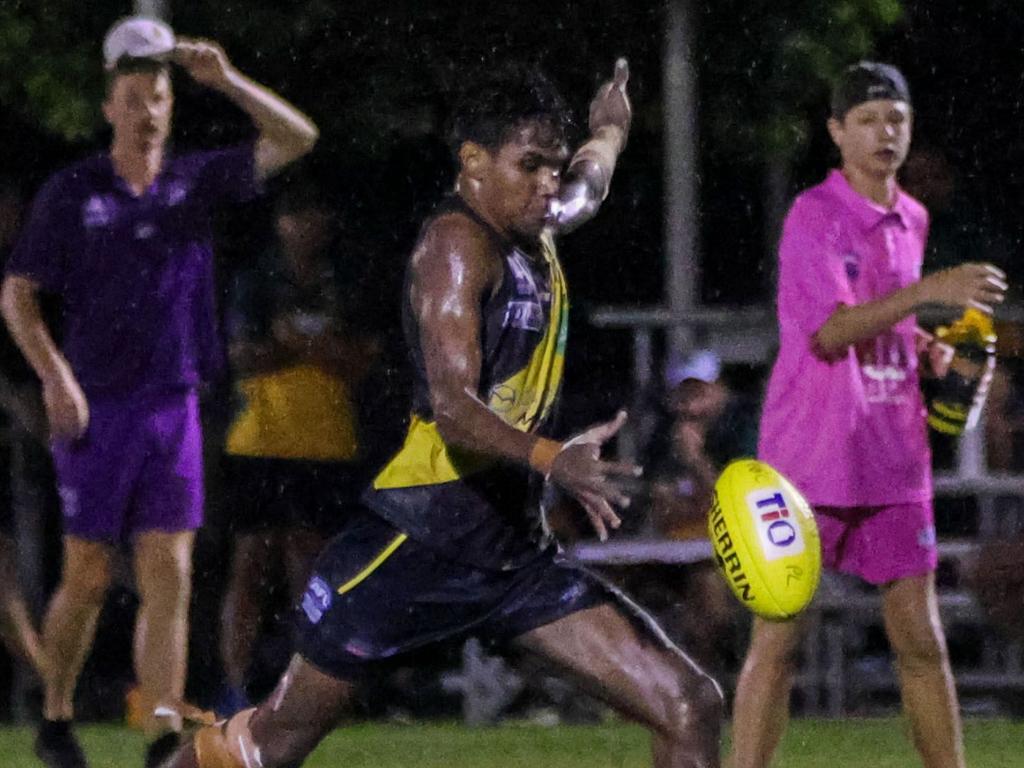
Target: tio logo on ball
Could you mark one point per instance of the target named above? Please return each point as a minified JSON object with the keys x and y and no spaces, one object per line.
{"x":777,"y":531}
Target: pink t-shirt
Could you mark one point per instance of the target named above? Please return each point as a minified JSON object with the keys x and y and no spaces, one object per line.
{"x":848,"y":431}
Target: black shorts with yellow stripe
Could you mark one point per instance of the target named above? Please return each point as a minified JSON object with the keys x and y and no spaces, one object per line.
{"x":375,"y":594}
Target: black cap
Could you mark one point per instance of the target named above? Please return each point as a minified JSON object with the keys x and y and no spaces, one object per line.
{"x":867,"y":81}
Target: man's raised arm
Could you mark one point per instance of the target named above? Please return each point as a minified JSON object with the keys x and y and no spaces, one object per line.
{"x":286,"y":134}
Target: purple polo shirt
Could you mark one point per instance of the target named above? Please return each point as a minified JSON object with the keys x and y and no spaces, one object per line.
{"x":135,"y":274}
{"x":848,"y":431}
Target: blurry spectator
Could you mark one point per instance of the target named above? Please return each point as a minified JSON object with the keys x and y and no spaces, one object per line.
{"x":292,"y":449}
{"x":707,"y":427}
{"x":1004,"y":411}
{"x":960,"y":228}
{"x":124,"y":238}
{"x":704,"y":426}
{"x":21,"y":418}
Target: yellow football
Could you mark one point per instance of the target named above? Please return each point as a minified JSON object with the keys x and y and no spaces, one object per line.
{"x":765,"y":539}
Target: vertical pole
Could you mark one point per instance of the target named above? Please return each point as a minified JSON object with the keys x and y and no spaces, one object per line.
{"x":682,"y":267}
{"x":627,"y":447}
{"x":158,"y":9}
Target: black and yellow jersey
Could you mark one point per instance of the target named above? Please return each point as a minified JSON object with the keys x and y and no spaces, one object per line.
{"x":470,"y":506}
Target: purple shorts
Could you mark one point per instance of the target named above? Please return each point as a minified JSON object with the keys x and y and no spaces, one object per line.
{"x":138,"y":468}
{"x":879,"y":544}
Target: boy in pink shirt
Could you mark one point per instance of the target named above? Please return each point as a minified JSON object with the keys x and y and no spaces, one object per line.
{"x":843,"y":415}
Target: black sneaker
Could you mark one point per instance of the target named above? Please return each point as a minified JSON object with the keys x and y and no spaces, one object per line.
{"x":162,"y":748}
{"x":57,"y":747}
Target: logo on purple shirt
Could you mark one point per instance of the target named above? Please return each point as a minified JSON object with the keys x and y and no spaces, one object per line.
{"x":98,"y":211}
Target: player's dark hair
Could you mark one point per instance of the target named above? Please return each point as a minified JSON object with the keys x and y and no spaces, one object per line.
{"x":503,"y":99}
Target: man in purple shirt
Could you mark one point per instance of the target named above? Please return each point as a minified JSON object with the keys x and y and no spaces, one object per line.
{"x":125,"y":240}
{"x":843,"y":415}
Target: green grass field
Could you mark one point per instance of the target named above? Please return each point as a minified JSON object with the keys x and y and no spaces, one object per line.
{"x":809,"y":744}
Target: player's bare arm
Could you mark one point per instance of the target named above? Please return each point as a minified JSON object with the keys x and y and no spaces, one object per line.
{"x":286,"y":134}
{"x":453,"y":272}
{"x":66,"y":406}
{"x":589,"y":175}
{"x":974,"y":284}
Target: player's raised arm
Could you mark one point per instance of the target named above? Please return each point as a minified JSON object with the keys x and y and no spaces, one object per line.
{"x":589,"y":175}
{"x":286,"y":134}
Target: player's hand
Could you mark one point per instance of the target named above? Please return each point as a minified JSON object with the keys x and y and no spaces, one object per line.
{"x":975,"y":284}
{"x":67,"y":410}
{"x":611,"y":106}
{"x":204,"y":60}
{"x":596,"y":484}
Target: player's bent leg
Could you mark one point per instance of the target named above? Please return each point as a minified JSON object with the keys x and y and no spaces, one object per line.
{"x":281,"y":732}
{"x":642,"y":675}
{"x":915,"y":633}
{"x":70,"y":622}
{"x":163,"y":572}
{"x":761,"y":708}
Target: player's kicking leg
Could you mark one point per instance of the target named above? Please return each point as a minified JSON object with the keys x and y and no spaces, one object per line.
{"x":639,"y":672}
{"x":280,"y":732}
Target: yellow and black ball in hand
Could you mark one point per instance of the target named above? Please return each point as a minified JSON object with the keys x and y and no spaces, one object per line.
{"x":765,"y":540}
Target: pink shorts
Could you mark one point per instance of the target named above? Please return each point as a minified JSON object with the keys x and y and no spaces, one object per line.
{"x":879,"y":544}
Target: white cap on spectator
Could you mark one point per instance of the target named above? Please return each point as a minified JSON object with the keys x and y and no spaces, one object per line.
{"x":702,"y":364}
{"x":137,"y":37}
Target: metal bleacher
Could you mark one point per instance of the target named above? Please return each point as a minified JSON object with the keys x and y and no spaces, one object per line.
{"x":836,"y":678}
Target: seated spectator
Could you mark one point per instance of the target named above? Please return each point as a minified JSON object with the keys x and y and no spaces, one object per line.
{"x":703,"y":427}
{"x":708,"y":426}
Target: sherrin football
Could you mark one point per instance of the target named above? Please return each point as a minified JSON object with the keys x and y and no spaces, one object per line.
{"x":765,"y":540}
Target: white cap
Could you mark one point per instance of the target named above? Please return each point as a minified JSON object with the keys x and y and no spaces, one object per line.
{"x":703,"y":365}
{"x":137,"y":37}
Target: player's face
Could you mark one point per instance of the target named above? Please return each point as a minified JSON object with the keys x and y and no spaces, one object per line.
{"x":874,"y":137}
{"x":138,"y":108}
{"x":523,"y":176}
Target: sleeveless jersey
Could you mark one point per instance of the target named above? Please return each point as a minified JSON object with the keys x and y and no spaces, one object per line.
{"x":471,"y":507}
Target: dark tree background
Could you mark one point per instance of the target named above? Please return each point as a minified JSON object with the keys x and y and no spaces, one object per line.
{"x":378,"y":78}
